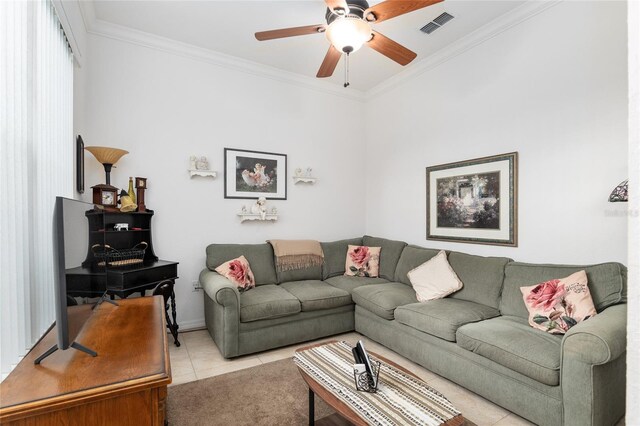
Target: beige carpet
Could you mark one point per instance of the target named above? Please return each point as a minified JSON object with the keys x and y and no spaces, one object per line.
{"x":269,"y":394}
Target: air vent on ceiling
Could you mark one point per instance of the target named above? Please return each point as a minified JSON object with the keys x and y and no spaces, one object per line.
{"x":430,"y":27}
{"x":436,"y":23}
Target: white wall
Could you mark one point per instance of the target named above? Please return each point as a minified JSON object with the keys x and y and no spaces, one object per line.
{"x":553,"y":88}
{"x":163,"y":108}
{"x":633,"y":315}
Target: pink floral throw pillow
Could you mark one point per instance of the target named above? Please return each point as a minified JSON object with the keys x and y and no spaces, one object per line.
{"x":238,"y":272}
{"x":557,"y":305}
{"x":362,"y":261}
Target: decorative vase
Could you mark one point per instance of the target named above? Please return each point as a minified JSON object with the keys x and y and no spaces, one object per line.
{"x":131,"y":192}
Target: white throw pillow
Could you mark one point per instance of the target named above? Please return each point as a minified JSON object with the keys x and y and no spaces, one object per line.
{"x":434,"y":279}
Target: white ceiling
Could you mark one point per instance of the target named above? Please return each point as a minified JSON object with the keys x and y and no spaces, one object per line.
{"x":228,"y":27}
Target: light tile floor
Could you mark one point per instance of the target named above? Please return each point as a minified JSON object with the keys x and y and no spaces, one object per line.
{"x":199,"y":357}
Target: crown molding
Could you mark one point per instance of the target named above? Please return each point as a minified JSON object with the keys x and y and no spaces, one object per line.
{"x":88,"y":14}
{"x":61,"y":10}
{"x":128,"y":35}
{"x":488,"y":31}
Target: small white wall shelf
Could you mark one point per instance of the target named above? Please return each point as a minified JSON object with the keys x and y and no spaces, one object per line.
{"x":251,"y":216}
{"x":205,"y":173}
{"x":305,"y":179}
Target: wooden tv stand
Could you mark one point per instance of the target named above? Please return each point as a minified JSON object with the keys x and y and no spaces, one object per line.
{"x":126,"y":384}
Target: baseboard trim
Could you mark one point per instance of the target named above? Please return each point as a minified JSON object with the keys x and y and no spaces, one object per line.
{"x":192,"y":325}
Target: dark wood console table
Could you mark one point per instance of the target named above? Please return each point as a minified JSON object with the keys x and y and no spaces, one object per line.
{"x":92,"y":280}
{"x":123,"y":282}
{"x":126,"y":384}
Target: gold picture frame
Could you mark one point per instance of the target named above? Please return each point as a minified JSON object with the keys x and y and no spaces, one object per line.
{"x":474,"y":201}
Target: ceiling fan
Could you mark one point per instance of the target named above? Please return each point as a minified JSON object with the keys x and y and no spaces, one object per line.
{"x":348,"y":27}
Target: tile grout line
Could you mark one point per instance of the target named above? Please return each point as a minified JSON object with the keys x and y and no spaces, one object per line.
{"x":505,"y":416}
{"x":262,"y":357}
{"x":193,"y":369}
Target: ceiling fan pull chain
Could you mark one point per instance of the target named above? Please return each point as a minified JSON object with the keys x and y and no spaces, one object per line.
{"x":346,"y":70}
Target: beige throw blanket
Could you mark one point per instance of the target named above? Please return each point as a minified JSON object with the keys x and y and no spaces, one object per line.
{"x":296,"y":254}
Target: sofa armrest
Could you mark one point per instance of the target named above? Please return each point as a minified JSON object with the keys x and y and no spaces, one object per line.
{"x":593,"y":369}
{"x":219,"y":288}
{"x":600,"y":339}
{"x":221,"y":311}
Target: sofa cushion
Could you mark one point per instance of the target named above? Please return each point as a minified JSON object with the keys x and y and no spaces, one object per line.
{"x":411,"y":258}
{"x":260,"y":257}
{"x":315,"y":295}
{"x":238,"y":272}
{"x":557,"y":305}
{"x":442,"y":317}
{"x":511,"y":342}
{"x":351,"y":283}
{"x":267,"y":301}
{"x":311,"y":273}
{"x":335,"y":252}
{"x":607,"y":283}
{"x":389,"y":254}
{"x":362,"y":261}
{"x":482,"y":277}
{"x":383,"y":299}
{"x":434,"y":279}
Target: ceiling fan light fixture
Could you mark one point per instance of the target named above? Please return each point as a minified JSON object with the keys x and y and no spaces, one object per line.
{"x":348,"y":34}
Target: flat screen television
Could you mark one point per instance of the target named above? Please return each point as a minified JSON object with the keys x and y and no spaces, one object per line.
{"x":70,"y":240}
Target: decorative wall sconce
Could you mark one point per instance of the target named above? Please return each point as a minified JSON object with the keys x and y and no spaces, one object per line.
{"x":199,"y":166}
{"x":258,"y":211}
{"x":620,"y":193}
{"x":303,"y":176}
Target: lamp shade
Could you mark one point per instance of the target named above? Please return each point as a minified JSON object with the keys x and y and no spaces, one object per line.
{"x":106,"y":155}
{"x":348,"y":34}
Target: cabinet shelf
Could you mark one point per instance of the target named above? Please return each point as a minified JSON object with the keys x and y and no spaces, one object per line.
{"x":204,"y":173}
{"x":304,"y":179}
{"x":110,"y":231}
{"x":101,"y":232}
{"x":250,"y":216}
{"x":118,"y":213}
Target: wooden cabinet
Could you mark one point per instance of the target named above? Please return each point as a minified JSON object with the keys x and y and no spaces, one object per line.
{"x":92,"y":279}
{"x":102,"y":232}
{"x":126,"y":384}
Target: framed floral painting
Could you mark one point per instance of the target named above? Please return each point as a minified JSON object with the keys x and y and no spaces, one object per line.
{"x":474,"y":201}
{"x":254,"y":174}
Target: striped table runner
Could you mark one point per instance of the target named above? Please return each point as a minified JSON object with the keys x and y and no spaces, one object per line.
{"x":401,"y":399}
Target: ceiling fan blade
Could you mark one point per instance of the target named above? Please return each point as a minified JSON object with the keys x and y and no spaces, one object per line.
{"x":391,"y":49}
{"x":332,"y":4}
{"x":392,"y":8}
{"x":330,"y":62}
{"x":289,"y":32}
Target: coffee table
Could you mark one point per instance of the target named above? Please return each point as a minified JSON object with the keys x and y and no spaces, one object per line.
{"x":402,"y":397}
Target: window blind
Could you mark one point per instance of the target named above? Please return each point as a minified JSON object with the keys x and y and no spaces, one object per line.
{"x":36,"y":154}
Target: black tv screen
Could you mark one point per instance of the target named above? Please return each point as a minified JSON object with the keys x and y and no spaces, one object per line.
{"x":73,"y":306}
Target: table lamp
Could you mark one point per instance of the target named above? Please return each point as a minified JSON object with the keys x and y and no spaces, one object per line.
{"x":105,"y":194}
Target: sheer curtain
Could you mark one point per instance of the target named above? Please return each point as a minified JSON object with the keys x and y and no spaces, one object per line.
{"x":36,"y":164}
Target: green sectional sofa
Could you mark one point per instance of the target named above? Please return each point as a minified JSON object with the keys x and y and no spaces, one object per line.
{"x":478,"y":337}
